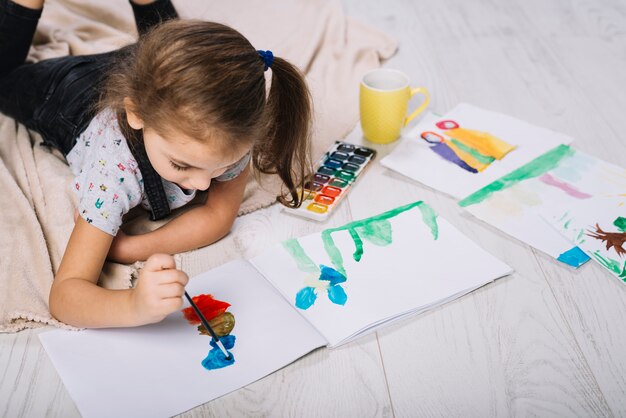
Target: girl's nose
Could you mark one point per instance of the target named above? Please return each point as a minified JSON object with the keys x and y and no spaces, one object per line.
{"x":202,"y":182}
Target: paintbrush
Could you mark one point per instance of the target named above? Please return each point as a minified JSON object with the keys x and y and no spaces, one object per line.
{"x":208,"y":327}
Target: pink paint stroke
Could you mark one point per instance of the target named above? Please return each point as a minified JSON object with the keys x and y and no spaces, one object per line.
{"x":567,"y":188}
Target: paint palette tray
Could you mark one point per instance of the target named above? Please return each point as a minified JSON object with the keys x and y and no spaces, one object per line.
{"x":335,"y":173}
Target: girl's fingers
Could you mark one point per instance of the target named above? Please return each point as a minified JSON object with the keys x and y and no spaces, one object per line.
{"x":173,"y":304}
{"x":169,"y":276}
{"x":158,"y":262}
{"x":170,"y":290}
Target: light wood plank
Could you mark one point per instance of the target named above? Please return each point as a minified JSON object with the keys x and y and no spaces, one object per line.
{"x":29,"y":384}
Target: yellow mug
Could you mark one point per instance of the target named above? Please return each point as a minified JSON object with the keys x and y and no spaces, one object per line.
{"x":383,"y":101}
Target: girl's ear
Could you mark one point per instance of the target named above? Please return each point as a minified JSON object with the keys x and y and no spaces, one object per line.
{"x":133,"y":119}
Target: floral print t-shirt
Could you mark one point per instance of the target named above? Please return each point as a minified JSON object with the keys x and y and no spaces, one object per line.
{"x":107,"y":179}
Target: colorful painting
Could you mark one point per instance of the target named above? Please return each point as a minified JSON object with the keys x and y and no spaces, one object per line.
{"x":346,"y":280}
{"x":471,"y":150}
{"x":560,"y":178}
{"x":402,"y":262}
{"x":220,"y":321}
{"x":468,"y":148}
{"x":597,"y":226}
{"x":376,"y":230}
{"x":154,"y":370}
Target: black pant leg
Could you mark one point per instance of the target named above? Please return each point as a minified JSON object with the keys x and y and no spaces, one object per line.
{"x":17,"y":27}
{"x":149,"y":15}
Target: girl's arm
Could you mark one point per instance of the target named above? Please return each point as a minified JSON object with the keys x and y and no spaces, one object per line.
{"x":195,"y":228}
{"x":76,"y":299}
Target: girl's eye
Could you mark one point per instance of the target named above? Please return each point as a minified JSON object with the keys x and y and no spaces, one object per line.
{"x":177,"y":167}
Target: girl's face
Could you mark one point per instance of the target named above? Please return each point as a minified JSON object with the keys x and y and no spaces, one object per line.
{"x":187,"y":162}
{"x":180,"y":159}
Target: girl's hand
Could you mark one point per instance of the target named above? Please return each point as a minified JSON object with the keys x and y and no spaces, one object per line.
{"x":159,"y":289}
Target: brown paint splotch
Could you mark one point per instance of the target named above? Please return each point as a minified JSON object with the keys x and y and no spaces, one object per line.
{"x":613,"y":240}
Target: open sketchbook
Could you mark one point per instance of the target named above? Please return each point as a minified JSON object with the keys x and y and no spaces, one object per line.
{"x":320,"y":290}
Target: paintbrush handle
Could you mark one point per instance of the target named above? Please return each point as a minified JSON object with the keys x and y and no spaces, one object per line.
{"x":207,"y":326}
{"x":202,"y":318}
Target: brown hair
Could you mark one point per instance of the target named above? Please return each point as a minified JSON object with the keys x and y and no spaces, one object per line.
{"x":200,"y":78}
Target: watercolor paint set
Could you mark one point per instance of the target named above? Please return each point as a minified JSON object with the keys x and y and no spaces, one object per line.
{"x":335,"y":173}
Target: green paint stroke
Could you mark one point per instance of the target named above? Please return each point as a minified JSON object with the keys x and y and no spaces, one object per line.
{"x":376,"y":230}
{"x":535,"y":168}
{"x":485,"y":159}
{"x":333,"y":252}
{"x":358,"y":243}
{"x":302,"y":260}
{"x":611,"y":265}
{"x":430,"y":219}
{"x":620,"y":223}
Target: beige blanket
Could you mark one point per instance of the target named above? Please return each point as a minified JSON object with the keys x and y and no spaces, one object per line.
{"x":36,"y":205}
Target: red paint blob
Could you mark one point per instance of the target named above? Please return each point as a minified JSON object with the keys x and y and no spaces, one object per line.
{"x":209,"y":307}
{"x":447,"y":124}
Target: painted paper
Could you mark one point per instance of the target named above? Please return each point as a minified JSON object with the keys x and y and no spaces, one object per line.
{"x":597,"y":226}
{"x":561,"y":178}
{"x":319,"y":290}
{"x":348,"y":279}
{"x":468,"y":148}
{"x":164,"y":369}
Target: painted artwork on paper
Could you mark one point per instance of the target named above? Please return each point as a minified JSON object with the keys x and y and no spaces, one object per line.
{"x":469,"y":149}
{"x":221,"y":322}
{"x":597,"y":226}
{"x":376,"y":230}
{"x":348,"y":278}
{"x":561,"y":178}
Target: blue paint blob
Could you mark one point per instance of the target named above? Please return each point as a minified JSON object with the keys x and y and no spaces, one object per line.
{"x":227,"y":340}
{"x":337,"y":295}
{"x":305,"y":298}
{"x":217,"y":360}
{"x":574,"y":257}
{"x":331,"y":275}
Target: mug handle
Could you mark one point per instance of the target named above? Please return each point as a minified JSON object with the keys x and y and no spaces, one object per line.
{"x":422,"y":106}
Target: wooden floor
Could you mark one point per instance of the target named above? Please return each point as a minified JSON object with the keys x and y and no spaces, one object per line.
{"x":546,"y":341}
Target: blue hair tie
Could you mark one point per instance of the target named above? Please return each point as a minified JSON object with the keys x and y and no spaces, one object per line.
{"x":267,"y":57}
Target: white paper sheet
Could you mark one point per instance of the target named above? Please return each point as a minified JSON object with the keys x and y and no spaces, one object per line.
{"x":516,"y":207}
{"x":414,"y":158}
{"x":412,"y":273}
{"x":156,"y":370}
{"x":579,"y":223}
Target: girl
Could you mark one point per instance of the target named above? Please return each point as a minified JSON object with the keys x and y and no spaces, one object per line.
{"x":183,"y":109}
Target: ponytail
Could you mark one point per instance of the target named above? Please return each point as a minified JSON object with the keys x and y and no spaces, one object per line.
{"x":285,"y":150}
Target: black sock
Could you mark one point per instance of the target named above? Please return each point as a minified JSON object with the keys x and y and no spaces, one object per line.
{"x":17,"y":28}
{"x":149,"y":15}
